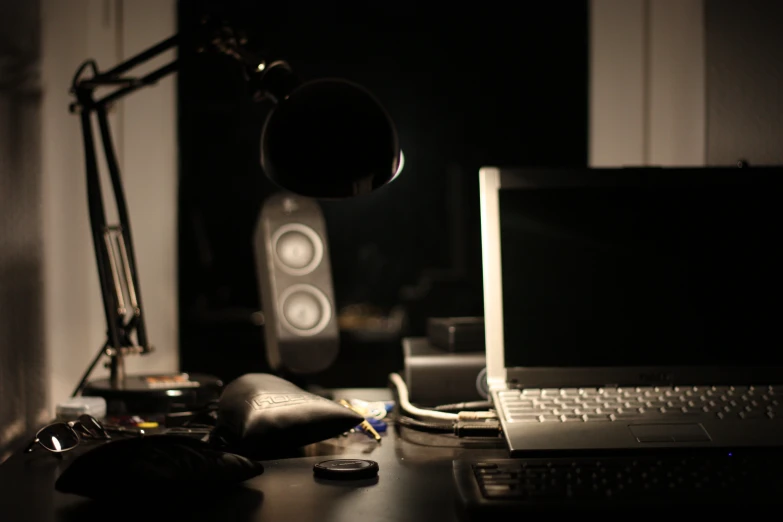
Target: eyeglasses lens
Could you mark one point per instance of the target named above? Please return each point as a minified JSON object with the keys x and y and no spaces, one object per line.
{"x":58,"y":437}
{"x":92,"y":426}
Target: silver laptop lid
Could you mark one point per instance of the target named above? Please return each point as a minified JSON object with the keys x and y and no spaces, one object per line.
{"x":632,"y":276}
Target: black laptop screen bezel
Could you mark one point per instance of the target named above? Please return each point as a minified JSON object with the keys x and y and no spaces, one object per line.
{"x":548,"y":377}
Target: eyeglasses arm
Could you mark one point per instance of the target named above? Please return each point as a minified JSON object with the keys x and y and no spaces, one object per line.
{"x":31,"y":446}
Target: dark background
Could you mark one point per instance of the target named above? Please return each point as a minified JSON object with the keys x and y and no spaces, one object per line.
{"x":492,"y":84}
{"x":743,"y":59}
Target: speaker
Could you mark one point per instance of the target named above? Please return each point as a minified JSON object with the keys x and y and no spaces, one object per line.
{"x":295,"y":281}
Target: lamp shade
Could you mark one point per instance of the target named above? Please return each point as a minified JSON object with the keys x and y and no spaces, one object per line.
{"x":329,"y":139}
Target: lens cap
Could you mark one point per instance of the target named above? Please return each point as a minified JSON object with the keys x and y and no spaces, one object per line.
{"x":346,"y":469}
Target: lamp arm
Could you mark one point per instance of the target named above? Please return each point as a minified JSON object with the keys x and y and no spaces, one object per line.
{"x":113,"y":245}
{"x":222,"y":40}
{"x":114,"y":251}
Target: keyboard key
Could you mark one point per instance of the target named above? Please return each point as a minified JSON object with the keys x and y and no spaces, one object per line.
{"x":498,"y":476}
{"x":523,"y":418}
{"x":627,"y":416}
{"x":531,"y":392}
{"x":634,"y":404}
{"x":500,"y":491}
{"x":592,"y":417}
{"x":571,"y":417}
{"x":513,"y":399}
{"x":671,"y":411}
{"x":550,"y":418}
{"x":592,"y":404}
{"x":522,"y":409}
{"x":746,"y":415}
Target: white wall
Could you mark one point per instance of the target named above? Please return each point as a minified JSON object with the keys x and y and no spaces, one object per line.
{"x":23,"y":382}
{"x":647,"y":83}
{"x":144,"y":128}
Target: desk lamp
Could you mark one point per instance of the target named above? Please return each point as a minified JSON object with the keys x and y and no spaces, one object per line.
{"x":325,"y":138}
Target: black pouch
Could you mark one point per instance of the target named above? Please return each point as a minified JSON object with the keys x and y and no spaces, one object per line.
{"x":259,"y":411}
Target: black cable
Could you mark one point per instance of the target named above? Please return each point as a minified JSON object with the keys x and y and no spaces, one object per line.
{"x":430,"y":427}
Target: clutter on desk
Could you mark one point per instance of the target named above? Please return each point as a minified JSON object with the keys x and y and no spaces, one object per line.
{"x":374,"y":413}
{"x":462,"y":423}
{"x":73,"y":407}
{"x":63,"y":436}
{"x":456,"y":334}
{"x":260,"y":412}
{"x":364,"y":426}
{"x":155,"y":465}
{"x":435,"y":375}
{"x":372,"y":410}
{"x":346,"y":469}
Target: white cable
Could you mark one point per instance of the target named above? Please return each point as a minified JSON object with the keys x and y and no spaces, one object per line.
{"x":407,"y":407}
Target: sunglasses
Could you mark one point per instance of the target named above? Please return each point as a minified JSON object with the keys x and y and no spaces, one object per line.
{"x":64,"y":436}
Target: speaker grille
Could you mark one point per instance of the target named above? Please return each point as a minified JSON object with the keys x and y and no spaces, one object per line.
{"x":298,"y":249}
{"x":304,"y":310}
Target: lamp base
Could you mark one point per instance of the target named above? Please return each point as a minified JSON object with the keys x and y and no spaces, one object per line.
{"x":156,"y":394}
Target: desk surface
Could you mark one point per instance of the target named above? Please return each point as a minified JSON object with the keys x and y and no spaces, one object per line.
{"x":415,"y":483}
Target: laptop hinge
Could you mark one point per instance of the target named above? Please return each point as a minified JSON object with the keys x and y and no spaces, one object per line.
{"x":497,"y":384}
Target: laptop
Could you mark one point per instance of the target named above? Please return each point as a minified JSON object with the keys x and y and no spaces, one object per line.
{"x":634,"y":308}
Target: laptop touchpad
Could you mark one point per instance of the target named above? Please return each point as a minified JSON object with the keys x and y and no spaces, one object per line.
{"x":669,"y":433}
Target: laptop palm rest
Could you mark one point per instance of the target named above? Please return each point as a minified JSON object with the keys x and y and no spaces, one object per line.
{"x":669,"y":433}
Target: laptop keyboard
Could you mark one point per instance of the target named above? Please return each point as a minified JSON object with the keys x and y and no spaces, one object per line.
{"x":616,"y":404}
{"x":649,"y":480}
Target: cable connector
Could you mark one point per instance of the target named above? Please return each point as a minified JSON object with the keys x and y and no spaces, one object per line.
{"x":476,"y":415}
{"x":485,"y":428}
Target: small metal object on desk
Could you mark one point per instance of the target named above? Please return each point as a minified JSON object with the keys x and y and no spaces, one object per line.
{"x":346,"y":469}
{"x":366,"y":426}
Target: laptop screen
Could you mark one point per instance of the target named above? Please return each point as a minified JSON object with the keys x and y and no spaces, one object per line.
{"x":641,"y":274}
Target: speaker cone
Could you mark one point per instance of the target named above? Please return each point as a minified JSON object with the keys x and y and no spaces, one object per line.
{"x":304,"y":309}
{"x":298,"y":249}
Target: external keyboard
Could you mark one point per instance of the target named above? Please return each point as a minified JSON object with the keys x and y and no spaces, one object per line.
{"x":642,"y":480}
{"x":611,"y":404}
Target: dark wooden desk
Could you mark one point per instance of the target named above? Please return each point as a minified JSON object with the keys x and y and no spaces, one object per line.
{"x":414,"y":484}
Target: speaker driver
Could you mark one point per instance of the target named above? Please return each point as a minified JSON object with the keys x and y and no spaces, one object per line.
{"x":298,"y":248}
{"x":304,"y":309}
